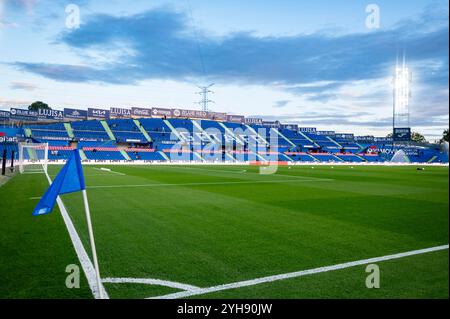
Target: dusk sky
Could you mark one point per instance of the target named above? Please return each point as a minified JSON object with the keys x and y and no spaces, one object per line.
{"x":315,"y":63}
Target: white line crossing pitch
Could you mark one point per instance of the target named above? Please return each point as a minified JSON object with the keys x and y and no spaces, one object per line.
{"x":257,"y":281}
{"x":212,"y":183}
{"x":107,"y":170}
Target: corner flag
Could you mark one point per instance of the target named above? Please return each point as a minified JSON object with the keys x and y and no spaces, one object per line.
{"x":69,"y":180}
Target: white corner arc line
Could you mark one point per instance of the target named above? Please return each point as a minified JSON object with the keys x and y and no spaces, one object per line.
{"x":83,"y":257}
{"x":296,"y":274}
{"x":150,"y":281}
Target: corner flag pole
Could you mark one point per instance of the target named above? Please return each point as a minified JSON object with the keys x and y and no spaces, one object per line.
{"x":70,"y":179}
{"x":91,"y":238}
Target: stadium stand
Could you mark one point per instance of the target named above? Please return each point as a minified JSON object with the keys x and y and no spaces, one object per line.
{"x":182,"y":139}
{"x":89,"y":131}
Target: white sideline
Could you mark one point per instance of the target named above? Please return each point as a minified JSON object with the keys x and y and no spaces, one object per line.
{"x":83,"y":257}
{"x":212,"y":183}
{"x":143,"y":163}
{"x":296,"y":274}
{"x":150,"y":281}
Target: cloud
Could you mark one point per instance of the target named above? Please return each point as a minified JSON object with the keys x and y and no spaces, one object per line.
{"x":281,"y":103}
{"x":165,"y":47}
{"x":7,"y":104}
{"x":26,"y":5}
{"x":76,"y":73}
{"x":352,"y":119}
{"x":346,"y":71}
{"x":23,"y":86}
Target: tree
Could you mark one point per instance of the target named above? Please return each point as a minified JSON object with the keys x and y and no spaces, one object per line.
{"x":445,"y":136}
{"x":38,"y":105}
{"x":417,"y":137}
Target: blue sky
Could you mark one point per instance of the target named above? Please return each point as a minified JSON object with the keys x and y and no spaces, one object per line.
{"x":316,"y":64}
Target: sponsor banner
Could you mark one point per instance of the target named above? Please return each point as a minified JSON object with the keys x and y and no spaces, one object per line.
{"x":402,"y":134}
{"x":365,"y":138}
{"x":195,"y":114}
{"x":390,"y":151}
{"x":4,"y":115}
{"x":87,"y":139}
{"x":167,"y":142}
{"x":345,"y":136}
{"x":117,"y":112}
{"x":47,"y":114}
{"x":253,"y":120}
{"x":98,"y":113}
{"x":217,"y":116}
{"x":8,"y":139}
{"x":326,"y":133}
{"x":236,"y":118}
{"x":23,"y":115}
{"x":140,"y":112}
{"x":292,"y":127}
{"x":160,"y":112}
{"x":75,"y":114}
{"x":307,"y":129}
{"x":383,"y":139}
{"x":271,"y":124}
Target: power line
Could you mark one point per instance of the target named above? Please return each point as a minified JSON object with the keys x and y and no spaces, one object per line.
{"x":197,"y":40}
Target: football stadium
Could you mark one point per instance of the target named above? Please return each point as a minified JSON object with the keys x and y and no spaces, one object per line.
{"x":206,"y":202}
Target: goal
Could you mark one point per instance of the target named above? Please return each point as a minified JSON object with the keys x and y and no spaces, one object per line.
{"x":33,"y":158}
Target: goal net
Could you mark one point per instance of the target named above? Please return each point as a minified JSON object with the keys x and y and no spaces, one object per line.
{"x":33,"y":157}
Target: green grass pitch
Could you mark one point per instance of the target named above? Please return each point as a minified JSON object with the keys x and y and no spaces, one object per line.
{"x":213,"y":225}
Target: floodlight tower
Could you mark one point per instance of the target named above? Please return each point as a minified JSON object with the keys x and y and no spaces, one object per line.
{"x":401,"y":96}
{"x":205,"y":99}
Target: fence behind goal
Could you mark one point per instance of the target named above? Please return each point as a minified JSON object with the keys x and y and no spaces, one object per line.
{"x":33,"y":158}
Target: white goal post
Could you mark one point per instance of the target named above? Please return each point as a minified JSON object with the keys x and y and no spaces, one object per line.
{"x":33,"y":157}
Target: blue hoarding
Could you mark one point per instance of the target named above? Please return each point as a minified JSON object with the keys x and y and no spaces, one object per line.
{"x":402,"y":134}
{"x":75,"y":114}
{"x":4,"y":115}
{"x":23,"y":115}
{"x":307,"y":129}
{"x":98,"y":113}
{"x":47,"y":114}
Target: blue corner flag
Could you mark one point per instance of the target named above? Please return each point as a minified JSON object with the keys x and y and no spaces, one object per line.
{"x":69,"y":180}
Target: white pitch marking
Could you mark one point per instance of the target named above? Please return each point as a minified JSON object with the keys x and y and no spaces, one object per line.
{"x":83,"y":257}
{"x":301,"y":273}
{"x":34,"y":198}
{"x":212,"y":183}
{"x":150,"y":281}
{"x":242,"y":171}
{"x":109,"y":171}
